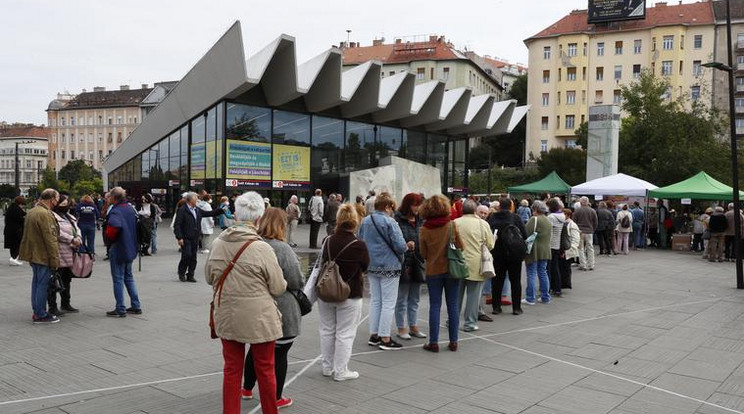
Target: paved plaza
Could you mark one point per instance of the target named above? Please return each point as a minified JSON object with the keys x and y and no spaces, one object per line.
{"x":652,"y":332}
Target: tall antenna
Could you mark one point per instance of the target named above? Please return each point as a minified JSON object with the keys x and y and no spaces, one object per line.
{"x":348,"y":36}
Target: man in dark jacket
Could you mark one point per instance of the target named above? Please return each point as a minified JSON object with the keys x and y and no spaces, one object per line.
{"x":121,"y":234}
{"x":502,"y":262}
{"x":329,"y":215}
{"x":187,"y":229}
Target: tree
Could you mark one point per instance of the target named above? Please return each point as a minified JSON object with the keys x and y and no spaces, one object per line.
{"x":664,"y":140}
{"x":518,"y":90}
{"x":569,"y":163}
{"x":582,"y":134}
{"x":77,"y":170}
{"x":7,"y":191}
{"x":49,"y":180}
{"x":501,"y":179}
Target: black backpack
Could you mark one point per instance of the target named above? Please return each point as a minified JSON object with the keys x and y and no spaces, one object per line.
{"x":565,"y":237}
{"x":514,"y":245}
{"x":625,"y":222}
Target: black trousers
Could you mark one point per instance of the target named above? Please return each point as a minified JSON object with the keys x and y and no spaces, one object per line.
{"x":66,"y":275}
{"x":187,"y":265}
{"x":605,"y":241}
{"x":554,"y":270}
{"x":314,"y":229}
{"x":729,"y":249}
{"x":280,"y":368}
{"x":566,"y":273}
{"x":514,"y":269}
{"x":14,"y":250}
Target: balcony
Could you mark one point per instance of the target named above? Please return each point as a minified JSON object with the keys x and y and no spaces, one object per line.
{"x":739,"y":109}
{"x":739,"y":88}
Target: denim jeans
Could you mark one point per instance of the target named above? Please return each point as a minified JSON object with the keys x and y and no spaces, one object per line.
{"x":88,"y":232}
{"x":39,"y":287}
{"x":450,"y":286}
{"x":640,"y":238}
{"x":536,"y":269}
{"x":473,"y":290}
{"x":383,"y":292}
{"x":121,"y":273}
{"x":409,"y":295}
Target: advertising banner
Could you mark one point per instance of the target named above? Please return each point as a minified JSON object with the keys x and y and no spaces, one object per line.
{"x":291,"y":166}
{"x":198,"y":161}
{"x":248,"y":160}
{"x":613,"y":10}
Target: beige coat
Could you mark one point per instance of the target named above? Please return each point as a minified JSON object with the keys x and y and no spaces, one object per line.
{"x":40,"y":233}
{"x":248,"y":312}
{"x":474,"y":231}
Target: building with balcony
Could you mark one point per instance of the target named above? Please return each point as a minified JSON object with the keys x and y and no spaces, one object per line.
{"x":720,"y":78}
{"x":574,"y":65}
{"x":32,"y":144}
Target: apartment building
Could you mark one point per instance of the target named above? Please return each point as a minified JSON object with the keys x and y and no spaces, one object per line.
{"x":720,"y":78}
{"x":574,"y":65}
{"x":26,"y":145}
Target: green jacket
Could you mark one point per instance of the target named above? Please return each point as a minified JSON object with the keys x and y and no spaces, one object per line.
{"x":541,"y":248}
{"x":40,"y":243}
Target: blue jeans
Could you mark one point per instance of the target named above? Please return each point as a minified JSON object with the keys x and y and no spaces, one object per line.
{"x":154,"y":239}
{"x":121,"y":273}
{"x":409,"y":295}
{"x":39,"y":287}
{"x":450,"y":286}
{"x":539,"y":269}
{"x":88,"y":233}
{"x":383,"y":292}
{"x":640,"y":238}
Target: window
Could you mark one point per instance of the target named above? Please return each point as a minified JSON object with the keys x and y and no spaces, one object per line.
{"x":583,"y":73}
{"x":600,"y":73}
{"x":697,"y":42}
{"x":584,"y":49}
{"x":570,"y":97}
{"x":559,"y":74}
{"x":618,"y":72}
{"x":619,"y":48}
{"x":695,"y":93}
{"x":291,"y":128}
{"x":571,"y":74}
{"x":571,"y":49}
{"x":600,"y":49}
{"x":110,"y":120}
{"x":583,"y":97}
{"x":420,"y":73}
{"x":617,"y":97}
{"x":248,"y":123}
{"x":72,"y":155}
{"x":545,"y":99}
{"x":636,"y":71}
{"x":63,"y":121}
{"x":110,"y":137}
{"x":118,"y":137}
{"x":100,"y":120}
{"x":119,"y":119}
{"x":697,"y":68}
{"x":100,"y":138}
{"x":740,"y":62}
{"x":445,"y":73}
{"x":72,"y":121}
{"x":543,"y":145}
{"x":135,"y":119}
{"x":546,"y":52}
{"x":544,"y":123}
{"x":653,"y":44}
{"x":739,"y":81}
{"x":570,"y":121}
{"x":739,"y":123}
{"x":546,"y":76}
{"x":682,"y":42}
{"x":666,"y":68}
{"x":667,"y":43}
{"x":637,"y":46}
{"x":739,"y":102}
{"x":63,"y":154}
{"x":598,"y":98}
{"x":558,"y":98}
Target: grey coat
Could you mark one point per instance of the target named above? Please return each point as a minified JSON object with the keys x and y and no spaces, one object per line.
{"x":290,"y":264}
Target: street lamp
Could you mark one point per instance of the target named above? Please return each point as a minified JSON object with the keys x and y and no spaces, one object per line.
{"x":734,"y":157}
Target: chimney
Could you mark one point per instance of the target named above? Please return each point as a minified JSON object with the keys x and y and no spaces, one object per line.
{"x":433,"y":38}
{"x":352,"y":45}
{"x":378,"y":42}
{"x":124,"y":87}
{"x":84,"y":90}
{"x":144,"y":86}
{"x":99,"y":89}
{"x":398,"y":41}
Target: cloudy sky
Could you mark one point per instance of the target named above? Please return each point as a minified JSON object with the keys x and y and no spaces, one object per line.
{"x":55,"y":46}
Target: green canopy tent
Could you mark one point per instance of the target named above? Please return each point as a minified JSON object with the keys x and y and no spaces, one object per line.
{"x":700,"y":187}
{"x":552,"y":183}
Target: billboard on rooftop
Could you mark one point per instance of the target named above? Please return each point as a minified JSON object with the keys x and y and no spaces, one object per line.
{"x":602,"y":11}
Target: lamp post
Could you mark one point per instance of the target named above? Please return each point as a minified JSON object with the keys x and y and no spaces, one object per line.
{"x":734,"y":151}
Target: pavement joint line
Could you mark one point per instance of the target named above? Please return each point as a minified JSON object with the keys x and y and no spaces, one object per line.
{"x":310,"y":362}
{"x":596,"y":371}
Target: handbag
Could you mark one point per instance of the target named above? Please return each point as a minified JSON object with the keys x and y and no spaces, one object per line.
{"x":55,"y":282}
{"x":305,"y":305}
{"x":217,"y":295}
{"x":413,"y":269}
{"x":458,"y":269}
{"x":331,"y":287}
{"x":530,"y":240}
{"x":486,"y":268}
{"x":82,"y":264}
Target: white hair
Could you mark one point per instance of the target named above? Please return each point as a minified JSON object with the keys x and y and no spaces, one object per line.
{"x":249,"y":207}
{"x":495,"y":204}
{"x":584,"y":201}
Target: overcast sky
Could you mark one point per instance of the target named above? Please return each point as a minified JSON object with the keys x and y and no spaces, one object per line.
{"x":55,"y":46}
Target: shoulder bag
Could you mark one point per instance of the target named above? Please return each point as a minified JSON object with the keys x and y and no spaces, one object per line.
{"x":458,"y":269}
{"x":331,"y":287}
{"x":486,"y":268}
{"x":82,"y":261}
{"x":531,"y":238}
{"x":218,"y":289}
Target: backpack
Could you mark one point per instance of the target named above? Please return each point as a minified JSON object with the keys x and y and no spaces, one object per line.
{"x":718,"y":223}
{"x":331,"y":287}
{"x":565,"y":237}
{"x":513,"y":243}
{"x":625,"y":222}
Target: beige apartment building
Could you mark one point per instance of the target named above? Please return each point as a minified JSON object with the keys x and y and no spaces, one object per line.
{"x":720,"y":78}
{"x":574,"y":65}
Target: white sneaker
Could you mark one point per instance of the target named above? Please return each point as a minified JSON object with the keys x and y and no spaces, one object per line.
{"x":526,"y":302}
{"x":348,"y":375}
{"x":14,"y":262}
{"x":327,"y":372}
{"x":205,"y":251}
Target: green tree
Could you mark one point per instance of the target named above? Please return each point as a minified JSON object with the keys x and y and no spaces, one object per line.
{"x":582,"y":134}
{"x":665,"y":140}
{"x":7,"y":191}
{"x":518,"y":90}
{"x":77,"y":170}
{"x":501,"y":179}
{"x":569,"y":163}
{"x":49,"y":180}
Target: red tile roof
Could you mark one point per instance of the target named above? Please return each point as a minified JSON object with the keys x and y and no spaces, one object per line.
{"x":691,"y":14}
{"x":26,"y":131}
{"x":403,"y":52}
{"x":501,"y":64}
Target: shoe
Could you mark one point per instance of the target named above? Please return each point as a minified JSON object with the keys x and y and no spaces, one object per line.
{"x":283,"y":402}
{"x":541,"y":300}
{"x":390,"y":345}
{"x":115,"y":314}
{"x":55,"y":312}
{"x":14,"y":262}
{"x":470,"y":328}
{"x":417,"y":334}
{"x":348,"y":375}
{"x":374,"y":340}
{"x":496,"y":310}
{"x":582,"y":268}
{"x":591,"y":269}
{"x":452,"y":346}
{"x":182,"y":278}
{"x":134,"y":311}
{"x":47,"y":319}
{"x":505,"y":301}
{"x":146,"y":254}
{"x":526,"y":302}
{"x":327,"y":372}
{"x":191,"y":280}
{"x":431,"y":347}
{"x":404,"y":336}
{"x":69,"y":308}
{"x":246,"y":394}
{"x":517,"y":311}
{"x":484,"y":318}
{"x":557,"y":294}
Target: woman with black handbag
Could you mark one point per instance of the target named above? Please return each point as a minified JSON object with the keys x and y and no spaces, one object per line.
{"x":409,"y":289}
{"x":272,"y":227}
{"x":69,"y":240}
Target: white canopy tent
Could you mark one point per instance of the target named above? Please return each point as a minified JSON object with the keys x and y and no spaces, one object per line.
{"x":618,"y":184}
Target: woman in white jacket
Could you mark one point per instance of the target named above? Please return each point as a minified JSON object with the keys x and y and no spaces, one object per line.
{"x":207,"y":224}
{"x":623,"y":227}
{"x":572,"y":253}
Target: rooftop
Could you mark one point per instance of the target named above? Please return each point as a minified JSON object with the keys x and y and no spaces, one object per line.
{"x":435,"y":48}
{"x":104,"y":99}
{"x":663,"y":14}
{"x":24,"y":132}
